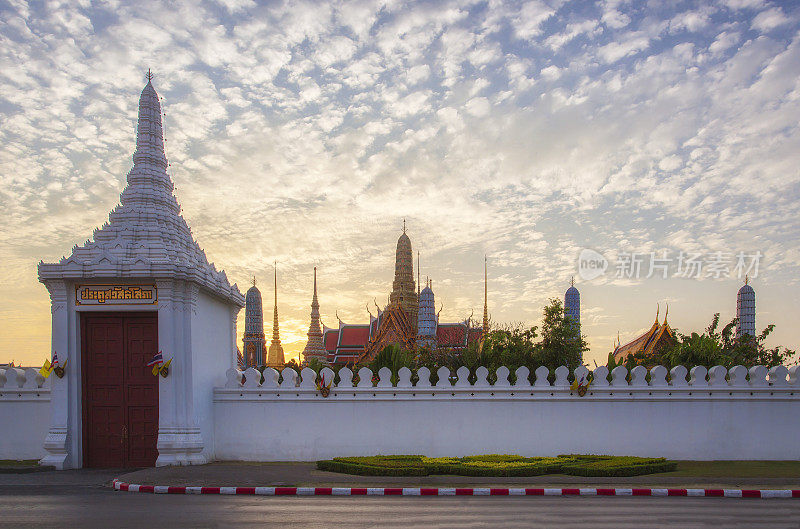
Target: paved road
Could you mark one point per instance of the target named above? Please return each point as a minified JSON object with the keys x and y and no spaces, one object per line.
{"x":86,"y":502}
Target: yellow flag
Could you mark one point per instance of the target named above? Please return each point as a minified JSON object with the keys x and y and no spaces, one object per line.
{"x":45,"y":370}
{"x":156,"y":369}
{"x":168,"y":363}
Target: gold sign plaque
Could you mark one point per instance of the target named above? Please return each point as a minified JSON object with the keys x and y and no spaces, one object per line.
{"x":116,"y":295}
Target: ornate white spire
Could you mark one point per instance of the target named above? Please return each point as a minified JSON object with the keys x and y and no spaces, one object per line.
{"x":145,"y":235}
{"x":315,"y":347}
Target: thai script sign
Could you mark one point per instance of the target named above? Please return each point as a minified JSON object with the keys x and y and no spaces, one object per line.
{"x":116,"y":295}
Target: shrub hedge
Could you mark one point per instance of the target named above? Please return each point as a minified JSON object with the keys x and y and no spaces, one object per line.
{"x":498,"y":465}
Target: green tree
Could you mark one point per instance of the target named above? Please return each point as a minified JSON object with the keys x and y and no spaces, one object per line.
{"x":393,"y":357}
{"x":513,"y":346}
{"x":562,"y":343}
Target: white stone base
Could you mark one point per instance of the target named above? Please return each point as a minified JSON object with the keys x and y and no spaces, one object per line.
{"x":180,"y":446}
{"x":56,"y":446}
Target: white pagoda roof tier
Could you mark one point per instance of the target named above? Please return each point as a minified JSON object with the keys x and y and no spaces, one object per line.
{"x":145,"y":236}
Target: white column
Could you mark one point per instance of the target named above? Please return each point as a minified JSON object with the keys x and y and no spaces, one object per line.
{"x":57,"y":442}
{"x":179,"y":439}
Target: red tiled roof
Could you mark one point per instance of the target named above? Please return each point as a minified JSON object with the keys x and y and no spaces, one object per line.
{"x":354,"y":336}
{"x":451,"y":334}
{"x":331,"y":338}
{"x":475,"y":334}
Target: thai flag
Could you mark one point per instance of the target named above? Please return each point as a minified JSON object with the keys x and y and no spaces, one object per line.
{"x":157,"y":360}
{"x":54,"y":363}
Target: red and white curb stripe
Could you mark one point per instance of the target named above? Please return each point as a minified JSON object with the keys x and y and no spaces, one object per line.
{"x":384,"y":491}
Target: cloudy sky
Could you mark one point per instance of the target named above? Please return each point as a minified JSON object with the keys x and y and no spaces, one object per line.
{"x":304,"y":133}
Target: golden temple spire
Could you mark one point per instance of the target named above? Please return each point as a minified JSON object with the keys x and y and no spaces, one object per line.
{"x":275,"y":356}
{"x":485,"y":296}
{"x":666,"y":314}
{"x":658,"y":308}
{"x":418,"y":285}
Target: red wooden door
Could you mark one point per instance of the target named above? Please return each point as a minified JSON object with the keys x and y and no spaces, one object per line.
{"x":120,"y":394}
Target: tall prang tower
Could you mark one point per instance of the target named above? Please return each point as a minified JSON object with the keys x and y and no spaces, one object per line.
{"x":275,"y":356}
{"x":254,"y":343}
{"x":315,"y":347}
{"x":426,"y":326}
{"x":572,"y":303}
{"x":746,"y":310}
{"x":404,"y":292}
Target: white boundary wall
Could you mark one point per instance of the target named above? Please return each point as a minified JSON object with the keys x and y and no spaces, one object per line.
{"x":715,"y":414}
{"x":24,"y":413}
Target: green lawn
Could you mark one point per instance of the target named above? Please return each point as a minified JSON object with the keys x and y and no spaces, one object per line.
{"x":737,"y":469}
{"x":18,"y":462}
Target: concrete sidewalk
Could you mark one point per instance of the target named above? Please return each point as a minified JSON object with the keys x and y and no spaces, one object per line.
{"x":243,"y":474}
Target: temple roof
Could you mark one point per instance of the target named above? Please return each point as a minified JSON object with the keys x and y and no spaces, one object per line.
{"x":331,"y":338}
{"x":354,"y":336}
{"x":647,"y":342}
{"x":451,"y":335}
{"x":145,"y":236}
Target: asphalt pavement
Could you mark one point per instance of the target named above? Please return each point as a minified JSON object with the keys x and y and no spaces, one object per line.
{"x":82,"y":498}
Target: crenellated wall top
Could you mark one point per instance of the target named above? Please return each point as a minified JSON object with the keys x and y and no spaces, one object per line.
{"x":658,"y":382}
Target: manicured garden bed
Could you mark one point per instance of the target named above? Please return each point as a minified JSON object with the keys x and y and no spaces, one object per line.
{"x":497,"y":465}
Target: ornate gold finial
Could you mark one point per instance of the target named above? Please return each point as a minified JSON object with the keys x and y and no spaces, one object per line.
{"x":658,"y":309}
{"x":572,"y":281}
{"x":404,"y":225}
{"x":746,"y":279}
{"x":485,"y":295}
{"x":254,"y":280}
{"x":149,"y":75}
{"x":666,"y":314}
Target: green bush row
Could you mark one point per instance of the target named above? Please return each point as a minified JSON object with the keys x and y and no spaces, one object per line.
{"x":498,"y":465}
{"x":344,"y":467}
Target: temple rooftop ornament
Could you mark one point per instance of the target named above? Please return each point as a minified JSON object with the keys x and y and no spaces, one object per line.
{"x":145,"y":236}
